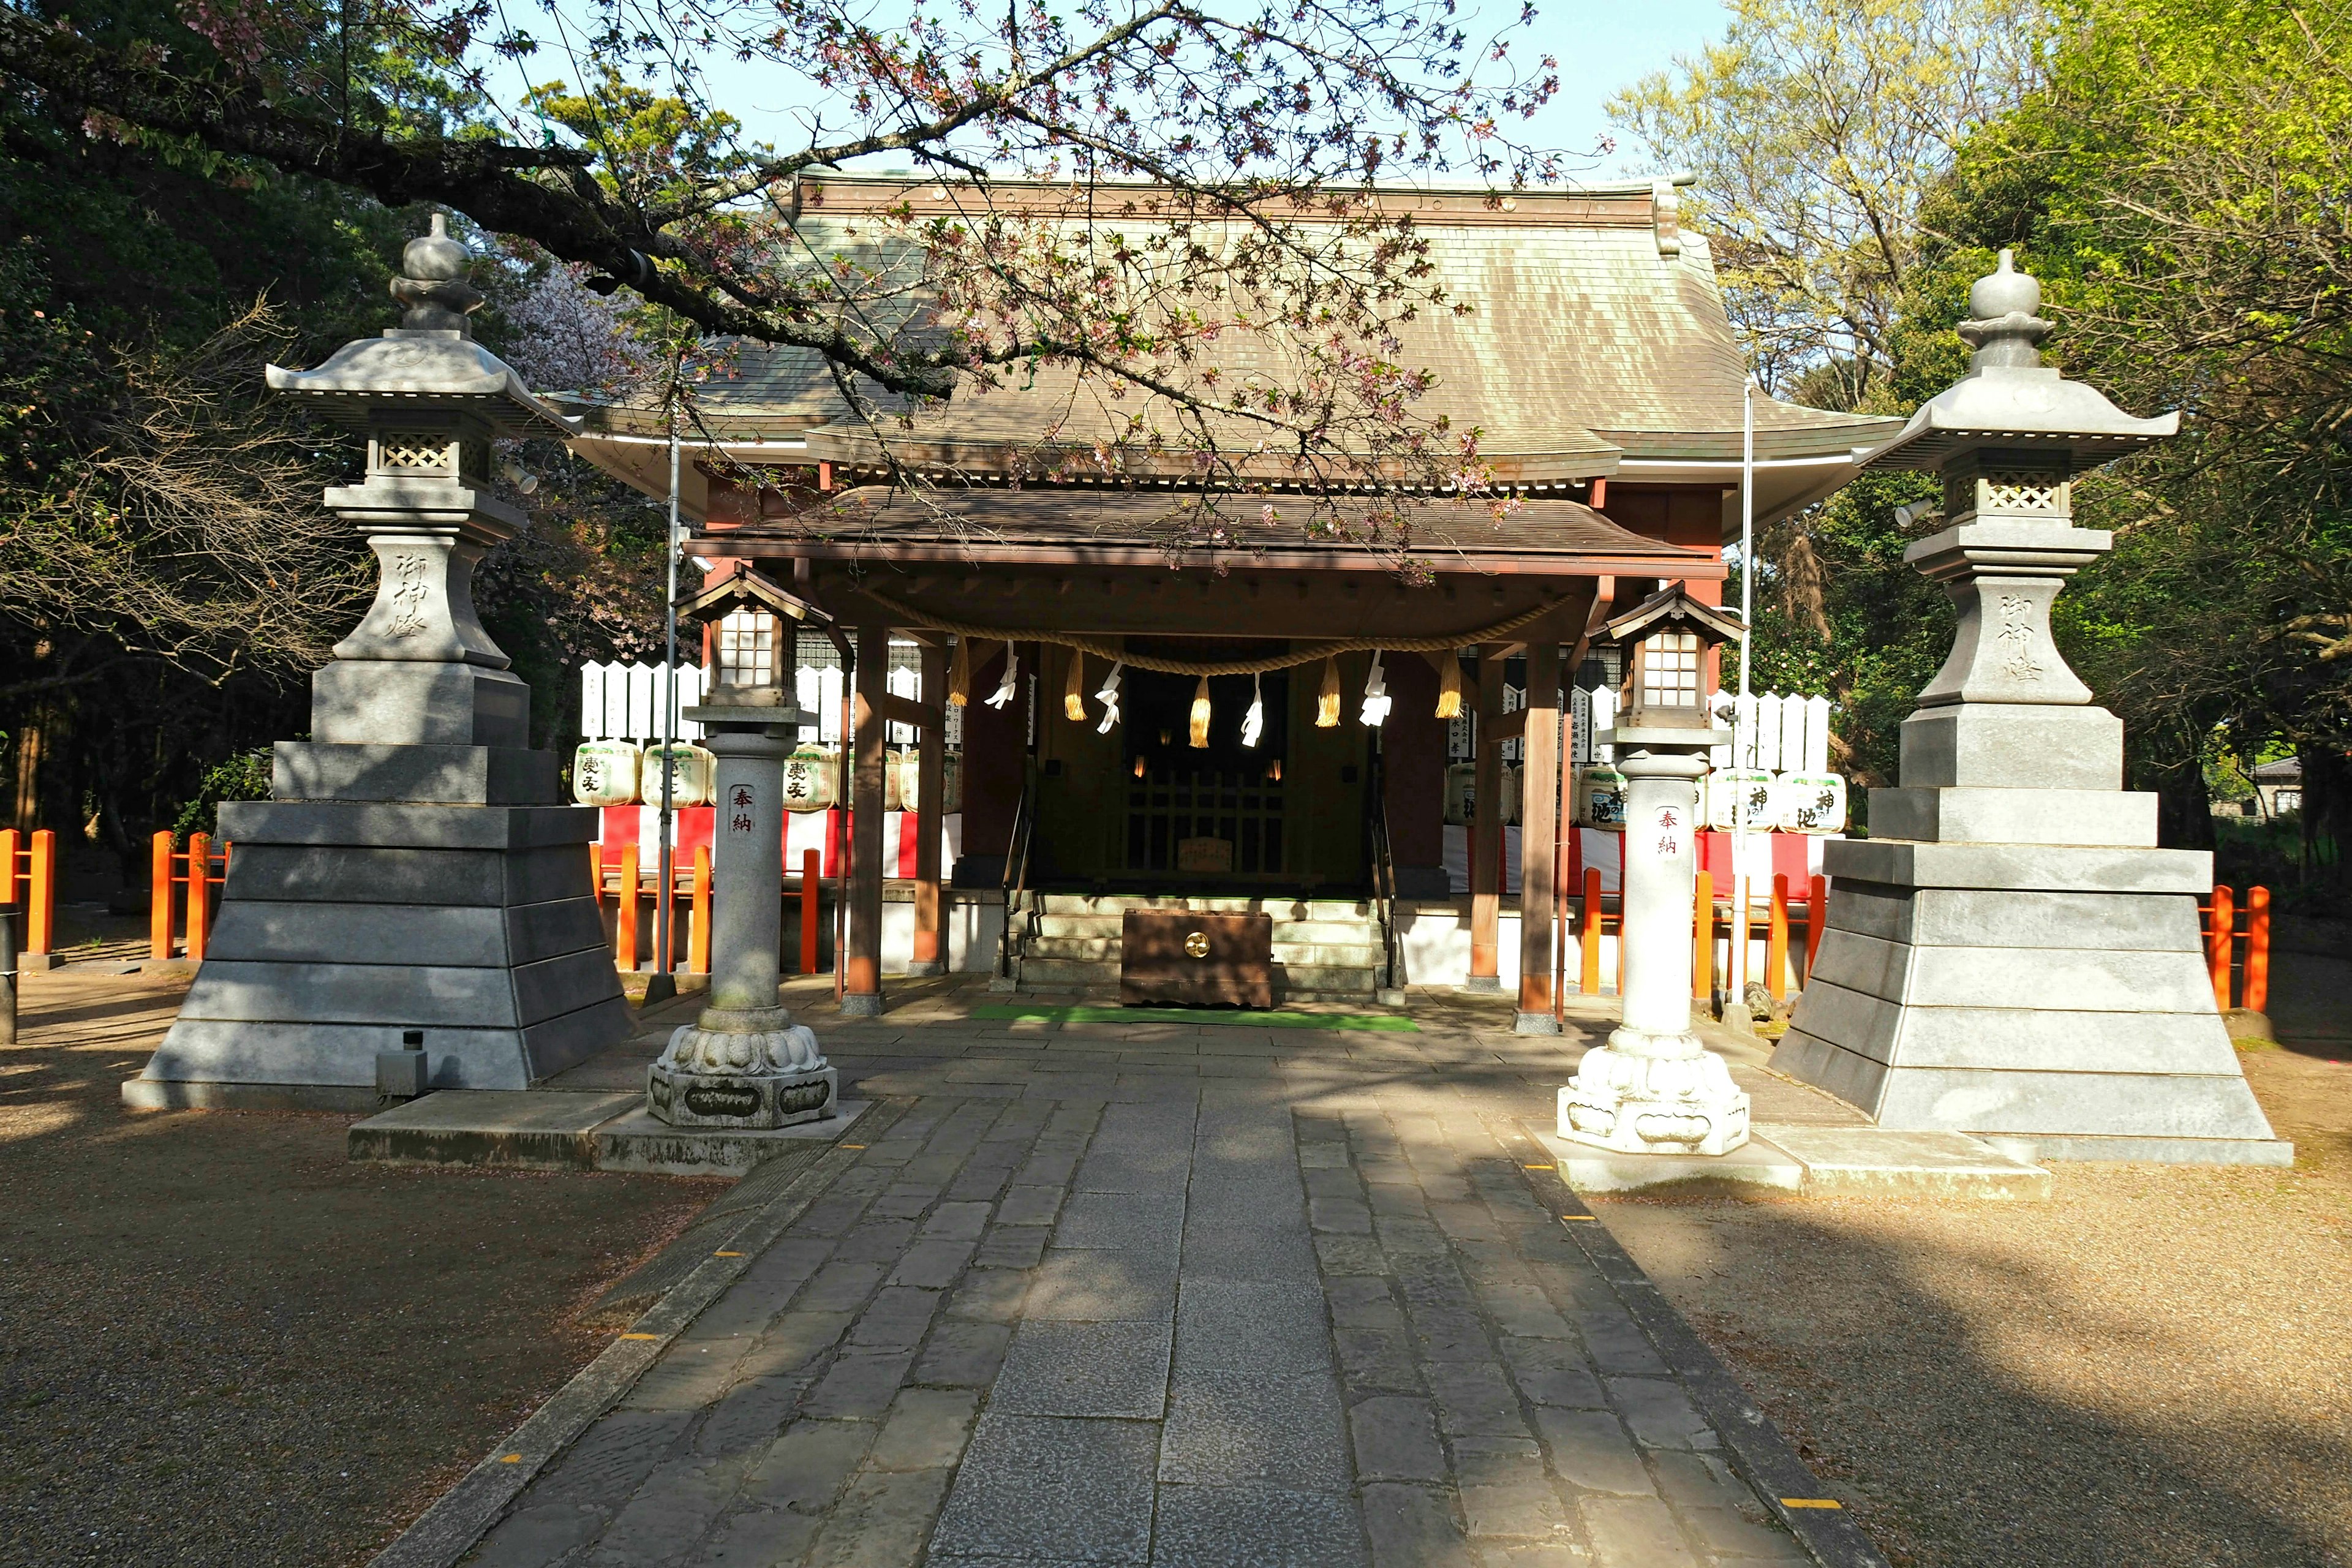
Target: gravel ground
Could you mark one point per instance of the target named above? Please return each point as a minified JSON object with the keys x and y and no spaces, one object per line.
{"x":220,"y":1342}
{"x":2155,"y":1368}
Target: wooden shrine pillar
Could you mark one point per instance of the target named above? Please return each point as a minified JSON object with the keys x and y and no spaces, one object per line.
{"x":862,"y":979}
{"x":930,"y":809}
{"x":1539,"y":823}
{"x":1487,"y":830}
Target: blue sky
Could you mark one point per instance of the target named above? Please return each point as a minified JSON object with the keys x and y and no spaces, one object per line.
{"x":1601,"y":46}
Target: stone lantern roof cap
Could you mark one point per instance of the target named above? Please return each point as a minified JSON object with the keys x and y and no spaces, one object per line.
{"x":2010,"y":400}
{"x":1672,"y":609}
{"x":746,"y":589}
{"x":430,"y":361}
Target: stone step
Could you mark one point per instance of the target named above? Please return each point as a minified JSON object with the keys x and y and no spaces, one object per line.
{"x":1068,"y":971}
{"x":1328,"y":980}
{"x":1091,"y":948}
{"x":1328,"y":954}
{"x":1346,"y":980}
{"x":1107,"y":950}
{"x":1343,"y":933}
{"x":1116,"y":904}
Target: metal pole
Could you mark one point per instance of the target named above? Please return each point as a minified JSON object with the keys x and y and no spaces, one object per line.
{"x":7,"y":974}
{"x":663,"y":985}
{"x":1739,"y":744}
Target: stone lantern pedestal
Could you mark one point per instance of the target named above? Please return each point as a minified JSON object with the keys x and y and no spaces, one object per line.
{"x":1654,"y":1089}
{"x":743,"y":1063}
{"x":412,"y":908}
{"x":2008,"y":955}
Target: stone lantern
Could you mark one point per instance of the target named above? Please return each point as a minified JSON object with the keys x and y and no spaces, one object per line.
{"x":2008,"y":954}
{"x":743,"y":1062}
{"x":412,"y":908}
{"x":1654,"y":1089}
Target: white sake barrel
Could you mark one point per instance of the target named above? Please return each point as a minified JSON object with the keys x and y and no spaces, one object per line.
{"x":1725,"y":787}
{"x":693,"y":774}
{"x":1598,"y":799}
{"x":1809,"y":803}
{"x":812,"y":779}
{"x":604,"y":773}
{"x":1461,"y":792}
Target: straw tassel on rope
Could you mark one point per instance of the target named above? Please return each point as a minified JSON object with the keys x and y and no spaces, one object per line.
{"x":1074,"y":701}
{"x":960,"y":674}
{"x":1200,"y":726}
{"x":1326,"y":701}
{"x":1449,"y":687}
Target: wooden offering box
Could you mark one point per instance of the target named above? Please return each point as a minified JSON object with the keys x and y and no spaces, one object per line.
{"x":1175,"y":955}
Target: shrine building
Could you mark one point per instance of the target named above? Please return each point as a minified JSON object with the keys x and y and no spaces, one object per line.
{"x":1601,"y":372}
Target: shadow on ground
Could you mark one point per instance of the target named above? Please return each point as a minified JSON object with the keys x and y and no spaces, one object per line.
{"x":224,"y":1344}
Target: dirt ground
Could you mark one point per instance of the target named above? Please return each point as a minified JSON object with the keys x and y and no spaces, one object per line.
{"x":2155,"y":1368}
{"x":222,"y":1343}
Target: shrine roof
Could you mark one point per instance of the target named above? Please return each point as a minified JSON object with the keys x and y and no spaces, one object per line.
{"x":1595,"y":335}
{"x":1096,"y":523}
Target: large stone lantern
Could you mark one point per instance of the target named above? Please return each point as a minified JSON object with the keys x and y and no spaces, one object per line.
{"x":1654,"y":1089}
{"x":2008,"y":954}
{"x":412,"y":907}
{"x":743,"y":1062}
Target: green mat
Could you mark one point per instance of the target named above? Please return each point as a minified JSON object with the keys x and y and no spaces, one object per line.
{"x":1381,"y":1021}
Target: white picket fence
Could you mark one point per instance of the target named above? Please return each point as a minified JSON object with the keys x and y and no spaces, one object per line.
{"x":1779,"y":733}
{"x":623,"y":701}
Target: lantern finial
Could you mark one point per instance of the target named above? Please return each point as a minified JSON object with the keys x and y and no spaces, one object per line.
{"x":433,"y":283}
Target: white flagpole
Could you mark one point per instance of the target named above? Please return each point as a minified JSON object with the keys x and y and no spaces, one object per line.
{"x":1742,"y":746}
{"x":664,"y":985}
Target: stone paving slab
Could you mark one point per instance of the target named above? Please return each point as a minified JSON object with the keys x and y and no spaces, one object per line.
{"x":1814,"y":1161}
{"x":1324,"y":1312}
{"x":573,"y":1129}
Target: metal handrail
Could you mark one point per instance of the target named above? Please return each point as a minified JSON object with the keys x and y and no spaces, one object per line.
{"x":1384,"y":871}
{"x":1015,"y":885}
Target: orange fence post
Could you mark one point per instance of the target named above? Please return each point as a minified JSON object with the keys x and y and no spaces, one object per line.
{"x":698,"y":934}
{"x":1776,"y":940}
{"x":158,"y":908}
{"x":2256,"y":993}
{"x":624,"y":928}
{"x":812,"y":877}
{"x":596,"y":878}
{"x":1817,"y":921}
{"x":1702,"y":936}
{"x":1587,"y":936}
{"x":2218,"y":942}
{"x":200,"y":849}
{"x":41,"y":901}
{"x":8,"y":865}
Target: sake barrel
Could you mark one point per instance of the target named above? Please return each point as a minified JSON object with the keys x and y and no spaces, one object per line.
{"x":604,"y":773}
{"x":1599,"y":800}
{"x":812,"y":779}
{"x":1461,"y":792}
{"x":1809,"y":803}
{"x":1726,"y":787}
{"x":693,"y":774}
{"x":1510,"y":792}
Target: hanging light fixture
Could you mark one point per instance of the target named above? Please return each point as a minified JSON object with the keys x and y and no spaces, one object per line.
{"x":1073,"y":703}
{"x":1253,"y":721}
{"x":1139,"y":767}
{"x":1109,"y":698}
{"x":1327,"y":702}
{"x":1011,"y":683}
{"x":1200,"y":714}
{"x":1376,"y":695}
{"x":1449,"y":687}
{"x":1274,"y":771}
{"x":960,"y":674}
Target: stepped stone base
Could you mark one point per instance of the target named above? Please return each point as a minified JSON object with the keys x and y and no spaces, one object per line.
{"x":345,"y":927}
{"x":2055,"y":997}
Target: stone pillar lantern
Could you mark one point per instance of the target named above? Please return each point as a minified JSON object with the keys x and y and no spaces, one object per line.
{"x":743,"y":1062}
{"x":2008,"y":954}
{"x":1654,"y":1089}
{"x":412,"y":908}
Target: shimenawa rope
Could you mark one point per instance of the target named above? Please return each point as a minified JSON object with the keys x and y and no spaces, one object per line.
{"x":1102,"y":648}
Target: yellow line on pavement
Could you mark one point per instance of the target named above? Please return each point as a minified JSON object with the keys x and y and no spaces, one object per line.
{"x":1810,"y":1502}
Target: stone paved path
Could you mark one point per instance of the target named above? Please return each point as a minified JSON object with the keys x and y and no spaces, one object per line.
{"x":1164,"y":1295}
